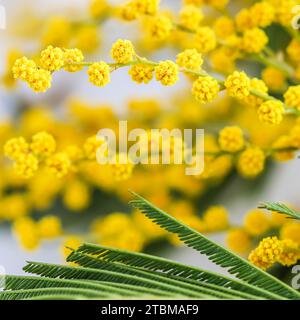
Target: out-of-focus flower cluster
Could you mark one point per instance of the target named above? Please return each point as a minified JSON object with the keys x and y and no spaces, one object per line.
{"x":253,"y":237}
{"x":250,"y":114}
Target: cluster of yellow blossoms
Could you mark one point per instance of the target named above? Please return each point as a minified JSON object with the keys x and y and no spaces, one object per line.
{"x":30,"y":233}
{"x":28,"y":157}
{"x":205,"y":88}
{"x":270,"y":250}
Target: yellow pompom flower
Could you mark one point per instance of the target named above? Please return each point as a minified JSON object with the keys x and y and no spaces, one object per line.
{"x":273,"y":78}
{"x":238,"y":85}
{"x":111,"y":225}
{"x":238,"y":240}
{"x":59,"y":164}
{"x":254,"y":40}
{"x":190,"y":17}
{"x":290,"y":254}
{"x":72,"y":58}
{"x":215,"y":218}
{"x":122,"y":169}
{"x":129,"y":239}
{"x":98,"y":8}
{"x":52,"y":59}
{"x":205,"y":39}
{"x":40,"y":80}
{"x":291,"y":230}
{"x":231,"y":139}
{"x":159,"y":27}
{"x":267,"y":253}
{"x":26,"y":165}
{"x":244,"y":20}
{"x":271,"y":111}
{"x":262,"y":14}
{"x":49,"y":227}
{"x":141,"y":73}
{"x":99,"y":74}
{"x":43,"y":144}
{"x":26,"y":232}
{"x":129,"y":11}
{"x":284,"y":11}
{"x":149,"y":7}
{"x":257,"y":222}
{"x":122,"y":51}
{"x":167,"y":72}
{"x":74,"y":152}
{"x":292,"y":97}
{"x":14,"y":206}
{"x":23,"y":69}
{"x":224,"y":27}
{"x":76,"y":196}
{"x":205,"y":89}
{"x":190,"y":59}
{"x":16,"y":147}
{"x":251,"y":162}
{"x":91,"y":147}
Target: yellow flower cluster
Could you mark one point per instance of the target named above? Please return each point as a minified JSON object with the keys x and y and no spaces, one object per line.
{"x":190,"y":59}
{"x":28,"y":157}
{"x":30,"y":233}
{"x":283,"y":248}
{"x":205,"y":89}
{"x":231,"y":139}
{"x":99,"y":74}
{"x":271,"y":250}
{"x":271,"y":111}
{"x":166,"y":72}
{"x":141,"y":73}
{"x":51,"y":59}
{"x":238,"y":85}
{"x":267,"y":253}
{"x":251,"y":162}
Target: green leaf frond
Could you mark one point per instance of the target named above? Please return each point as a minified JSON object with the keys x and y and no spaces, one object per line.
{"x":30,"y":282}
{"x":233,"y":263}
{"x":108,"y":273}
{"x":171,"y":268}
{"x":280,"y":208}
{"x":187,"y":284}
{"x":31,"y":293}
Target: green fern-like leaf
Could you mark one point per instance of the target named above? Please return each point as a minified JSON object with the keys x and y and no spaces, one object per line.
{"x":188,"y":284}
{"x":280,"y":208}
{"x":172,"y":268}
{"x":27,"y":282}
{"x":107,"y":273}
{"x":28,"y":294}
{"x":235,"y":265}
